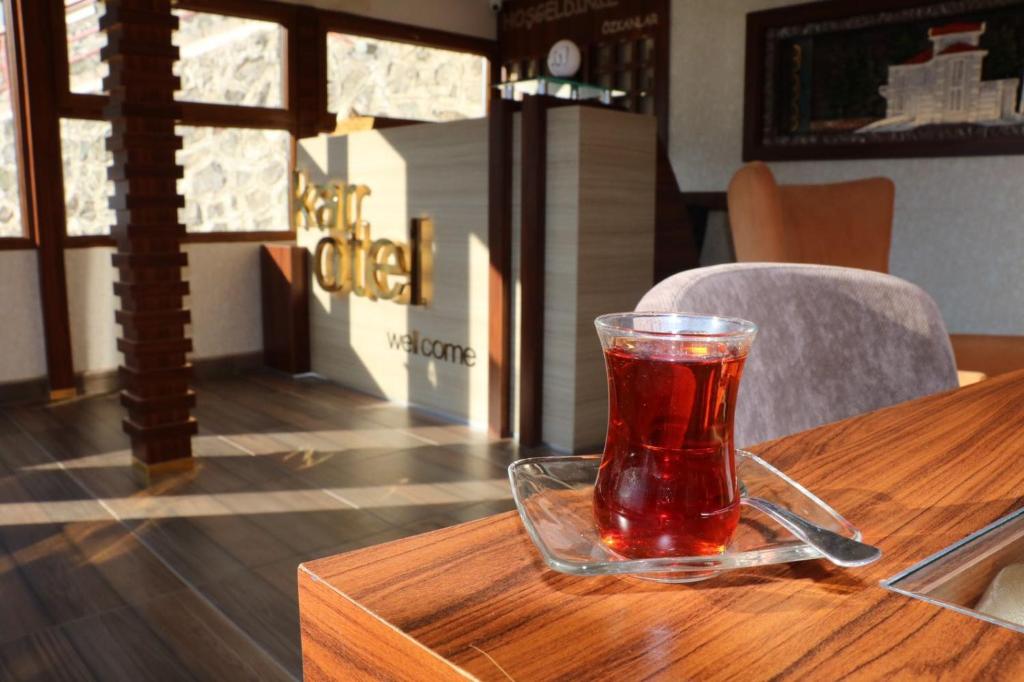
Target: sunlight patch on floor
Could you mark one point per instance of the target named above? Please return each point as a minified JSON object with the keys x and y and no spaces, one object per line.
{"x":242,"y":503}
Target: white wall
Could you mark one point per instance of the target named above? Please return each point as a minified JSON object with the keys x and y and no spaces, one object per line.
{"x":225,"y":304}
{"x":471,"y":17}
{"x":959,"y":224}
{"x":22,"y":353}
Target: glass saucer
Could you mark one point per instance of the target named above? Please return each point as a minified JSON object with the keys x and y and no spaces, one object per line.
{"x":554,"y":494}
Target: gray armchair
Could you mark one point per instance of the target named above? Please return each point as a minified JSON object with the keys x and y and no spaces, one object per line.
{"x":833,"y":342}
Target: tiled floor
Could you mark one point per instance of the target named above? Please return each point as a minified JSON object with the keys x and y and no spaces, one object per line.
{"x":194,"y":578}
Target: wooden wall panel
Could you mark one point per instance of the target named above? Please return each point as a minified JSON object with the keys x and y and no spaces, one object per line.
{"x":285,"y":278}
{"x":437,"y":171}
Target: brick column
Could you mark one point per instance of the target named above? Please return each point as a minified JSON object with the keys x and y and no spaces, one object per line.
{"x":156,"y":373}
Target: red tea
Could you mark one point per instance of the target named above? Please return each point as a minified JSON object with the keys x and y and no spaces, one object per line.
{"x":667,"y":484}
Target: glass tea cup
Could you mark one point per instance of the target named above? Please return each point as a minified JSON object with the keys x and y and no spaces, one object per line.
{"x":667,"y":483}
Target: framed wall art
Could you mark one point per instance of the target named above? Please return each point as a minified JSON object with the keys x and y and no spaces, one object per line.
{"x":876,"y":79}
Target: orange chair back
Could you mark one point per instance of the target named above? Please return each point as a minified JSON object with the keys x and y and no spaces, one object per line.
{"x":845,"y":223}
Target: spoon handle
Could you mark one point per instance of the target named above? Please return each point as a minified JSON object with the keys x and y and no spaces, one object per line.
{"x":840,"y":550}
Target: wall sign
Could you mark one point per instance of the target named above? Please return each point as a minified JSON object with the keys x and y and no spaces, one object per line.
{"x":348,"y":260}
{"x":415,"y":343}
{"x":846,"y":80}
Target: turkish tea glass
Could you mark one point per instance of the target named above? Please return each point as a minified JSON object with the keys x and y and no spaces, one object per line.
{"x":667,"y":484}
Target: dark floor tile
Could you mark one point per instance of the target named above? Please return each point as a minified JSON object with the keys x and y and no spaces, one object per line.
{"x":125,"y":564}
{"x":22,"y":611}
{"x":44,"y":656}
{"x":64,"y":583}
{"x":179,"y":543}
{"x":120,"y":645}
{"x":206,"y":642}
{"x":200,"y":579}
{"x":263,"y":612}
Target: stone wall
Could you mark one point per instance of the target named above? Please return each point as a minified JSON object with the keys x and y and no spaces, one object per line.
{"x":373,"y":77}
{"x":86,"y":187}
{"x":228,"y":60}
{"x":235,"y":179}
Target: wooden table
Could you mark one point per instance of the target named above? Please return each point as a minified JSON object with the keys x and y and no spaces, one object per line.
{"x":476,"y":601}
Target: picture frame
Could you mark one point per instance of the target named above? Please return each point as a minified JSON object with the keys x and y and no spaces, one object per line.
{"x":856,"y":79}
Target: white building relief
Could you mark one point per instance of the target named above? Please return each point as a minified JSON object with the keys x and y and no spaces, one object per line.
{"x":943,"y":85}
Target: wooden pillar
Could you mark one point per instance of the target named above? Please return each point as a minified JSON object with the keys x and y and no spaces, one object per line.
{"x":533,"y":202}
{"x":155,"y":374}
{"x":499,"y":235}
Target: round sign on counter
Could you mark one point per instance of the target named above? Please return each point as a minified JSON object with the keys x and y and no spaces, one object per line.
{"x":564,"y":59}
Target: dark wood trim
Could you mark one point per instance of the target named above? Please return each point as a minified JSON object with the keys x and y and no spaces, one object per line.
{"x":16,"y":243}
{"x":232,"y":116}
{"x":281,"y":13}
{"x":58,"y":29}
{"x":533,"y":203}
{"x":677,"y":240}
{"x":662,"y":70}
{"x":192,"y":113}
{"x":36,"y":103}
{"x":107,"y":381}
{"x":753,"y":87}
{"x":712,"y":201}
{"x":754,"y":148}
{"x":307,"y":75}
{"x":86,"y":242}
{"x":72,"y":105}
{"x":227,"y":237}
{"x":499,"y":241}
{"x":27,"y":391}
{"x":343,"y":22}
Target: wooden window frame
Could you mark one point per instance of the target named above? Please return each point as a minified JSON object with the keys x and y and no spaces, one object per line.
{"x":305,"y":82}
{"x":198,"y":114}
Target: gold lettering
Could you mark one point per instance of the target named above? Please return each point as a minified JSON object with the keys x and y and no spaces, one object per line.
{"x":387,"y":258}
{"x":304,"y":200}
{"x":326,"y":213}
{"x":334,"y":274}
{"x":353,"y":216}
{"x":348,"y":260}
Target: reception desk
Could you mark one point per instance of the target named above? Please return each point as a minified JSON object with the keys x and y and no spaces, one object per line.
{"x":396,"y":222}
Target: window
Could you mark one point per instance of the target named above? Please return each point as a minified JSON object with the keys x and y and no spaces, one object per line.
{"x":228,"y":60}
{"x":10,"y":196}
{"x":86,"y":187}
{"x":371,"y":77}
{"x":236,"y":179}
{"x":86,"y":70}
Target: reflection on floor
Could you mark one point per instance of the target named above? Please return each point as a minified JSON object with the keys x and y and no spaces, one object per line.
{"x":194,"y":578}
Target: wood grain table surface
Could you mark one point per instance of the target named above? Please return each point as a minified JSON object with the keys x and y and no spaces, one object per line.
{"x":476,"y":601}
